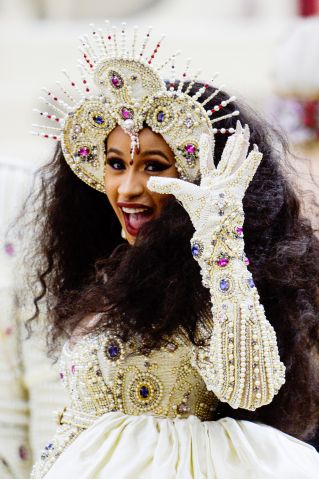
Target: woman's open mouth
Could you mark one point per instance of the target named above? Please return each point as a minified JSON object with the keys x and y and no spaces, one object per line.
{"x":135,"y":217}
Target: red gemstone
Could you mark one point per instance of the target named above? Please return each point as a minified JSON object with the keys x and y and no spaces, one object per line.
{"x":239,"y":230}
{"x":73,"y":84}
{"x":109,"y":37}
{"x":49,"y":116}
{"x":84,"y":81}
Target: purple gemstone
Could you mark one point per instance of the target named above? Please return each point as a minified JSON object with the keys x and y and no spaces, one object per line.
{"x":246,"y":261}
{"x":84,"y":151}
{"x":239,"y":231}
{"x":49,"y":446}
{"x":116,"y":81}
{"x":72,"y":369}
{"x":126,"y":113}
{"x":113,"y":351}
{"x":223,"y":262}
{"x":99,"y":120}
{"x":160,"y":116}
{"x":250,"y":282}
{"x":190,"y":148}
{"x":224,"y":285}
{"x":195,"y":250}
{"x":61,"y":375}
{"x":144,"y":392}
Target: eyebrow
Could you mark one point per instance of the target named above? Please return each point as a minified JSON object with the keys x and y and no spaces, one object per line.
{"x":143,"y":154}
{"x":154,"y":152}
{"x":114,"y":150}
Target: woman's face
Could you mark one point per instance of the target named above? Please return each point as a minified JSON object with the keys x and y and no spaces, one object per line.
{"x":125,"y":179}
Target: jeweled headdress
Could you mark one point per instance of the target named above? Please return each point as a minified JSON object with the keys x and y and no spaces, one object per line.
{"x":122,"y":86}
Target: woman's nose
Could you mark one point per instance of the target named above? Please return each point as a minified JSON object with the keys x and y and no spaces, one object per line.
{"x":131,"y":184}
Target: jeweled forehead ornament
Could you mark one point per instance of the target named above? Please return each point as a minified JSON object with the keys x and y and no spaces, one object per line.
{"x":120,"y":85}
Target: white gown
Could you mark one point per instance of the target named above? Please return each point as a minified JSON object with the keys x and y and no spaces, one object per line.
{"x":148,"y":415}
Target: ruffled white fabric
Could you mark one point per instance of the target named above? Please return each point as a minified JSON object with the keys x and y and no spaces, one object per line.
{"x":146,"y":447}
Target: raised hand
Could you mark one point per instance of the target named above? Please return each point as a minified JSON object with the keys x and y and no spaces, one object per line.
{"x":240,"y":362}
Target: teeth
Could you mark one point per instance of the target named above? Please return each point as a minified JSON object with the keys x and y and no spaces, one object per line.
{"x":134,"y":210}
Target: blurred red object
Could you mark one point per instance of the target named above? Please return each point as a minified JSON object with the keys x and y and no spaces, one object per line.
{"x":308,"y":7}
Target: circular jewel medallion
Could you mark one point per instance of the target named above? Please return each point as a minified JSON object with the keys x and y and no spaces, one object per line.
{"x":145,"y":391}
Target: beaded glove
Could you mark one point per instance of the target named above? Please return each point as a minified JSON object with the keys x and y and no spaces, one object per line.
{"x":240,"y":362}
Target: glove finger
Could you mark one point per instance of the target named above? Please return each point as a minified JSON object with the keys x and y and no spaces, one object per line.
{"x":206,"y":161}
{"x":182,"y":190}
{"x":228,"y":151}
{"x":247,"y":170}
{"x":240,"y":151}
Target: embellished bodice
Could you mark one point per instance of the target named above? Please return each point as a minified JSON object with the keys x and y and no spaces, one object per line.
{"x":103,"y":374}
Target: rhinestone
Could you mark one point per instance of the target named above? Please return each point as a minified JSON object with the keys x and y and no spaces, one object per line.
{"x":116,"y":80}
{"x":77,"y":128}
{"x":84,"y":151}
{"x":188,"y":122}
{"x":144,"y":392}
{"x":99,"y":120}
{"x":171,"y":347}
{"x":224,"y":285}
{"x":160,"y":116}
{"x":113,"y":351}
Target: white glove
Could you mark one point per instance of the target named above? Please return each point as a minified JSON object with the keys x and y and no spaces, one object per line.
{"x":241,"y":363}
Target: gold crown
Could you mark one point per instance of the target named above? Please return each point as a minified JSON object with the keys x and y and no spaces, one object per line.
{"x":121,"y":86}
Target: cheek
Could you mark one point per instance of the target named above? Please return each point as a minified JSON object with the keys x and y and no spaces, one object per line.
{"x":160,"y":200}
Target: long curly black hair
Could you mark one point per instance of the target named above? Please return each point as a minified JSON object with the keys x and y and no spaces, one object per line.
{"x":82,"y":266}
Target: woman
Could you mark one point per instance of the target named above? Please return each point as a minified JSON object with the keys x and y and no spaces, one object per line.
{"x":172,"y":363}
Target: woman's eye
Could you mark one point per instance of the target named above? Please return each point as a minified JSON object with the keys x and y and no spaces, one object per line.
{"x":115,"y":163}
{"x":156,"y":166}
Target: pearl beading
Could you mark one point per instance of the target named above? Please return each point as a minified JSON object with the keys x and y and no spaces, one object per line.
{"x":103,"y":374}
{"x":240,"y":361}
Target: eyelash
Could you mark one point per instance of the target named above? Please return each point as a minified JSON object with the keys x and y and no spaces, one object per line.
{"x":158,"y":165}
